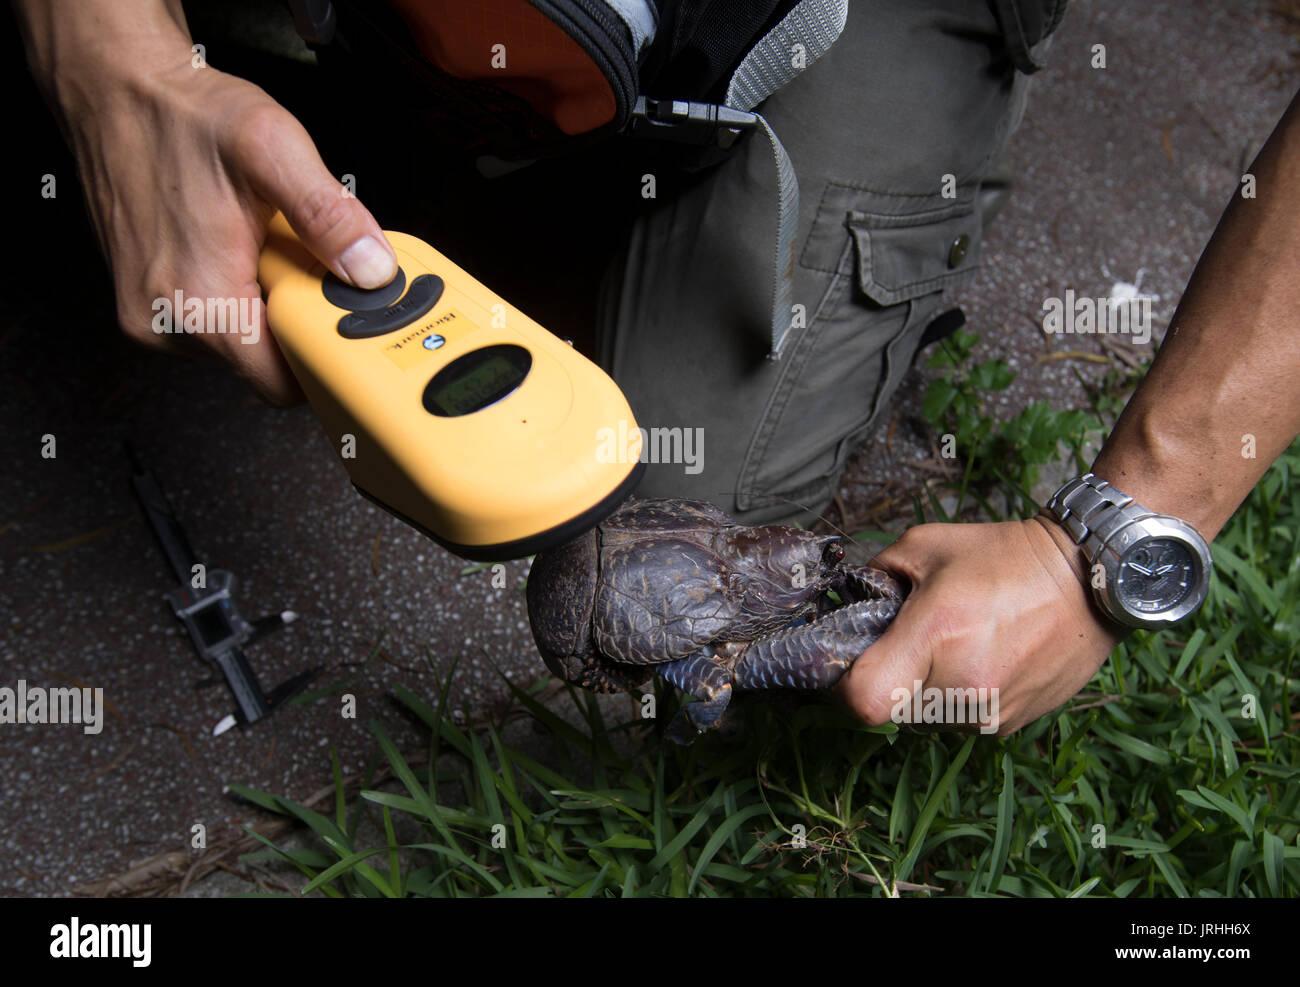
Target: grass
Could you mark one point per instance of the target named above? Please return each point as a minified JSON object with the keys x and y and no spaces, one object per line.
{"x":1174,"y":774}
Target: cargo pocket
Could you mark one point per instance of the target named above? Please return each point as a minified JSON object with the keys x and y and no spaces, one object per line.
{"x":896,"y":255}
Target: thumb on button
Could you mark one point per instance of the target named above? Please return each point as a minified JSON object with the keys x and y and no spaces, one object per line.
{"x":286,"y":171}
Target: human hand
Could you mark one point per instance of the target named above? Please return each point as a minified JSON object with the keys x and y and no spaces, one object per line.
{"x":993,"y":606}
{"x":183,"y":167}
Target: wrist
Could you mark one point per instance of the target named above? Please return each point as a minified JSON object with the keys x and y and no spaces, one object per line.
{"x":88,"y":57}
{"x":1075,"y":560}
{"x":1169,"y":475}
{"x":1070,"y":552}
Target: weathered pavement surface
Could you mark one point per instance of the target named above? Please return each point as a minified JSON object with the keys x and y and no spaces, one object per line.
{"x":1120,"y":170}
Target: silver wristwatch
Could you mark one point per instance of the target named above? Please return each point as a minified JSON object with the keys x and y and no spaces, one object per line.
{"x":1146,"y":569}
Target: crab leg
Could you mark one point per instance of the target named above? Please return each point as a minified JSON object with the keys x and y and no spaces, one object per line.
{"x":814,"y":656}
{"x":707,"y":679}
{"x":861,"y":582}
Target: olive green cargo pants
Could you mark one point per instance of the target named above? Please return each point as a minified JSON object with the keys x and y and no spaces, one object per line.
{"x":893,"y":134}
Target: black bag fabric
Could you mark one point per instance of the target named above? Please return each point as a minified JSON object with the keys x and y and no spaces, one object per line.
{"x":700,"y":42}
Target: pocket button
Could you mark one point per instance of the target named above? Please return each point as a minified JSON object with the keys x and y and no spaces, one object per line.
{"x":957,"y":252}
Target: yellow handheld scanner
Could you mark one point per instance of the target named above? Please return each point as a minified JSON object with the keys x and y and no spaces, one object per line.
{"x":451,"y":408}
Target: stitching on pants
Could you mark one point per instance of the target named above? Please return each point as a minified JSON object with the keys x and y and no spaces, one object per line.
{"x":775,"y":407}
{"x":821,"y":207}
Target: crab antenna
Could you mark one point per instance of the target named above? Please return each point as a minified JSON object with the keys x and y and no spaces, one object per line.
{"x":819,"y":517}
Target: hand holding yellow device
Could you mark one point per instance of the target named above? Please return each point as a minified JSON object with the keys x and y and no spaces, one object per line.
{"x":450,"y":408}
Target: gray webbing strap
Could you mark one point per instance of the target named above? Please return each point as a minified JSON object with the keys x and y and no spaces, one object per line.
{"x":814,"y":25}
{"x":641,"y":19}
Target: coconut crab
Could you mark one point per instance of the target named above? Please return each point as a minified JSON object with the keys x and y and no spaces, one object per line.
{"x":679,"y":588}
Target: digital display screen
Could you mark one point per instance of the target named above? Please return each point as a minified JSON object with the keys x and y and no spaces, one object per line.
{"x":478,"y":387}
{"x":476,"y":380}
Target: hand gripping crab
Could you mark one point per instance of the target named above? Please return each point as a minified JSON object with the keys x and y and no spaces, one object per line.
{"x":679,"y":588}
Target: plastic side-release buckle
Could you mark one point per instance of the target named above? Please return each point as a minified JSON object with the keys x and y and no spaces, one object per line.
{"x":688,"y":122}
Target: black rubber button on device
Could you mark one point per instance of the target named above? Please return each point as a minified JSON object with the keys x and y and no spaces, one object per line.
{"x":362,"y":299}
{"x":422,"y":296}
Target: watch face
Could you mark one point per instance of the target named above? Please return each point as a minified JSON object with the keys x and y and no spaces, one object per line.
{"x":1156,"y":575}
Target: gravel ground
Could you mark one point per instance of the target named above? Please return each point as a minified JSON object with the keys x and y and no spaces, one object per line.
{"x":1119,"y":170}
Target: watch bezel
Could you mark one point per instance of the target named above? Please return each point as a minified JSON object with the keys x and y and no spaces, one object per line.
{"x":1131,"y":536}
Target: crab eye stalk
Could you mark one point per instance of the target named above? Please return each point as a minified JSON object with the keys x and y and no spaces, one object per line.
{"x":833,"y":554}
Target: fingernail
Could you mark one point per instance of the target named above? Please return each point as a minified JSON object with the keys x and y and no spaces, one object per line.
{"x":367,"y":264}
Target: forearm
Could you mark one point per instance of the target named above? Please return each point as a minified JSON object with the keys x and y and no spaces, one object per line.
{"x":1226,"y":382}
{"x":81,"y":51}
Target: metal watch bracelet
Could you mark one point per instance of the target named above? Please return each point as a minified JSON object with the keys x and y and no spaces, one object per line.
{"x":1091,"y":510}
